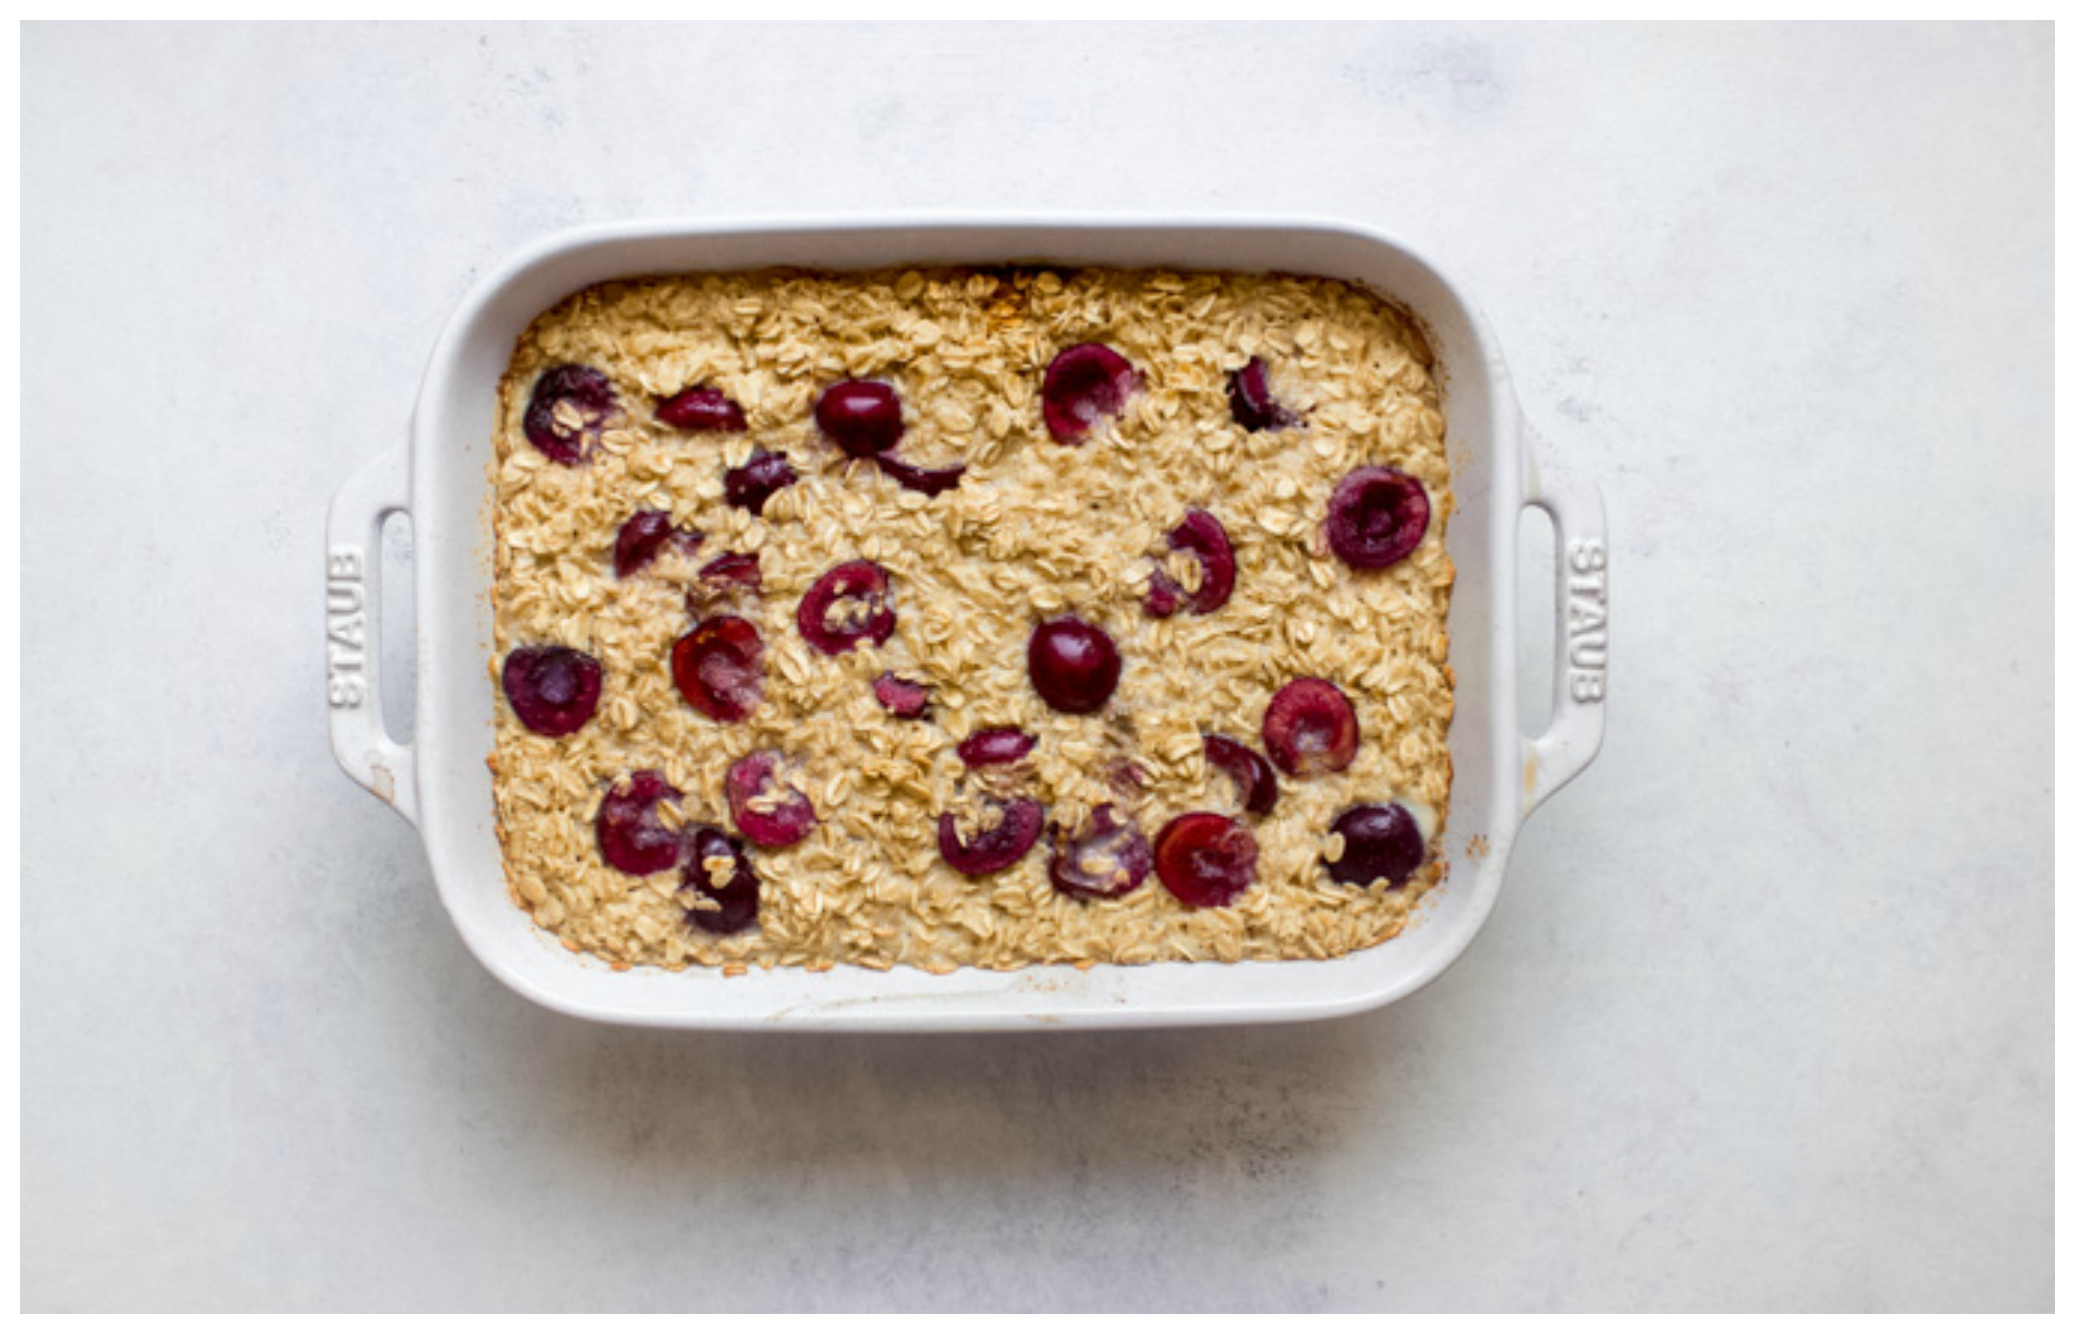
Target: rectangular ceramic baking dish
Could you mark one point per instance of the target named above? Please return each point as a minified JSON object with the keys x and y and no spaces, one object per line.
{"x":439,"y":780}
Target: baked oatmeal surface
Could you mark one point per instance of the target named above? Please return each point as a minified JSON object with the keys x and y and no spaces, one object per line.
{"x":1035,"y":529}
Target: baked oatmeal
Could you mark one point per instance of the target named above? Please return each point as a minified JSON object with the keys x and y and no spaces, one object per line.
{"x":971,"y":618}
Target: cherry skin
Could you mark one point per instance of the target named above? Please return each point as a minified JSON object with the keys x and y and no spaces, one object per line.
{"x":996,"y":849}
{"x":631,"y":838}
{"x":899,"y":697}
{"x":995,"y":745}
{"x":850,"y":605}
{"x":1253,"y":406}
{"x":583,"y":388}
{"x":929,"y":481}
{"x":861,"y":417}
{"x":1376,"y":517}
{"x":642,"y":538}
{"x":719,"y":668}
{"x":737,"y":897}
{"x":1073,"y":665}
{"x":1202,"y":536}
{"x":1085,"y":384}
{"x":1106,"y":858}
{"x":734,"y":569}
{"x":1380,"y":843}
{"x":1205,"y":860}
{"x":554,"y":690}
{"x":763,"y":476}
{"x":702,"y":409}
{"x":766,"y":823}
{"x":1310,"y":728}
{"x":1250,"y":773}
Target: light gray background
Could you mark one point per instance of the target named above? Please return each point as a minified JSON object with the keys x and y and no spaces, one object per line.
{"x":1763,"y":1019}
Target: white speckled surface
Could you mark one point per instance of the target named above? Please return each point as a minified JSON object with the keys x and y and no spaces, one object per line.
{"x":1763,"y":1019}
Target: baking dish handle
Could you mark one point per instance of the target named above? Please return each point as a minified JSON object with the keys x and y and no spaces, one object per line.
{"x":352,"y":624}
{"x":1578,"y":724}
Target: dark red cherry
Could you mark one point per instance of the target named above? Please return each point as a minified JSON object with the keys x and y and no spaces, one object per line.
{"x":1310,"y":728}
{"x":1073,"y":665}
{"x":756,"y":481}
{"x":1250,"y":773}
{"x":902,"y":699}
{"x":1127,"y":777}
{"x":1205,"y":860}
{"x":1202,"y":536}
{"x":995,"y":745}
{"x":929,"y":481}
{"x":630,"y":836}
{"x":643,"y":537}
{"x":1085,"y":384}
{"x":1020,"y":821}
{"x":565,"y":433}
{"x":554,"y":690}
{"x":730,"y":881}
{"x":719,"y":668}
{"x":1105,"y":858}
{"x":1376,"y":518}
{"x":1381,"y":843}
{"x":769,"y":813}
{"x":850,"y":605}
{"x":736,"y":569}
{"x":702,"y":409}
{"x":862,"y":417}
{"x":1252,"y":405}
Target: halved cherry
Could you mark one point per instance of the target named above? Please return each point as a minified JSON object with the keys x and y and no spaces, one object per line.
{"x":568,"y":408}
{"x":554,"y":690}
{"x":770,"y":813}
{"x":929,"y":481}
{"x":719,"y":868}
{"x":1376,"y":518}
{"x":643,"y":537}
{"x":995,"y":745}
{"x":1202,"y":536}
{"x":702,"y":408}
{"x":1310,"y":728}
{"x":1250,"y":773}
{"x":901,"y":698}
{"x":1019,"y":822}
{"x":630,"y":836}
{"x":1073,"y":665}
{"x":738,"y":569}
{"x":1127,"y":777}
{"x":719,"y":668}
{"x":1104,"y":859}
{"x":1085,"y":384}
{"x":1380,"y":843}
{"x":756,"y":481}
{"x":850,"y":605}
{"x":1253,"y":406}
{"x":861,"y":417}
{"x":1205,"y":860}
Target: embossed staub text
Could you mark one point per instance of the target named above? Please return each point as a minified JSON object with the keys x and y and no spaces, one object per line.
{"x":345,"y":638}
{"x":1585,"y":620}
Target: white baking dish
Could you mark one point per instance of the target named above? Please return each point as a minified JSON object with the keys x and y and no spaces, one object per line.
{"x":440,"y":781}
